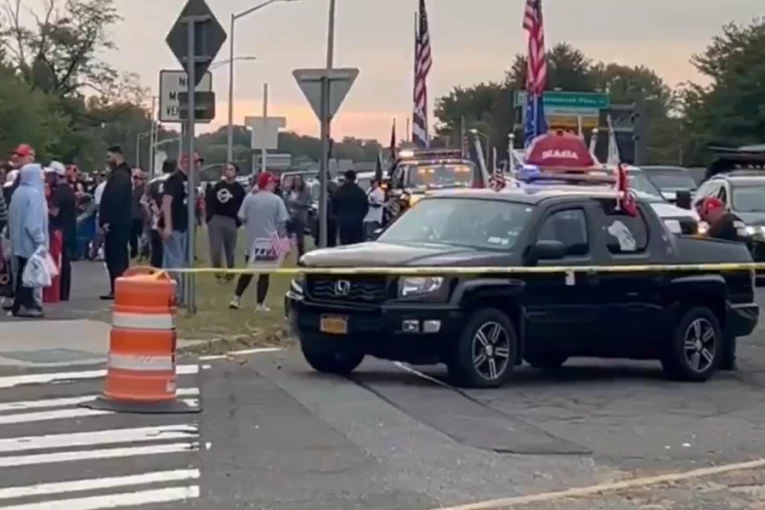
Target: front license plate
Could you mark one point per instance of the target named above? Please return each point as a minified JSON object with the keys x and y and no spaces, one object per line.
{"x":333,"y":325}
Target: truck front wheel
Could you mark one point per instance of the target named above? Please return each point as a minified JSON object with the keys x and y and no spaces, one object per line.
{"x":696,"y":346}
{"x":486,"y":351}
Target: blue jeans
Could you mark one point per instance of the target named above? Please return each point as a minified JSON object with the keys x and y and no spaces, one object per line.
{"x":174,"y":255}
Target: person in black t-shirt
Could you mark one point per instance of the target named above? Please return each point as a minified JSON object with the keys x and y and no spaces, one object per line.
{"x":222,"y":203}
{"x":153,"y":203}
{"x":174,"y":223}
{"x":63,"y":217}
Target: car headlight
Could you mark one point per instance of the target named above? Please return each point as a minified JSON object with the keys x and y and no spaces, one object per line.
{"x":703,"y":227}
{"x":755,"y":230}
{"x":416,"y":285}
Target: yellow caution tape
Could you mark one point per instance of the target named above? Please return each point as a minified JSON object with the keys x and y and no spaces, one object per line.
{"x":414,"y":271}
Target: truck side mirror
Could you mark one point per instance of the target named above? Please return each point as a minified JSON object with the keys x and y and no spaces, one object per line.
{"x":546,"y":250}
{"x":683,"y":199}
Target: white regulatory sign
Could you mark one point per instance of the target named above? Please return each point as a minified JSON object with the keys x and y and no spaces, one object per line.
{"x":170,"y":84}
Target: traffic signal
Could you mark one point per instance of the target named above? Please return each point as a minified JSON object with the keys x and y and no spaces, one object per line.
{"x":204,"y":106}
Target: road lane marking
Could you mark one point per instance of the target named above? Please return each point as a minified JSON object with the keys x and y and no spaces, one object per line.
{"x":64,"y":414}
{"x":259,"y":350}
{"x":407,"y":368}
{"x":101,"y":437}
{"x":579,"y":492}
{"x":47,"y":489}
{"x":23,"y":405}
{"x":105,"y":453}
{"x":56,"y":377}
{"x":119,"y":500}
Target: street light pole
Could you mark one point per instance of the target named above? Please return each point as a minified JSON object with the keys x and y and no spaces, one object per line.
{"x":325,"y":129}
{"x":230,"y":128}
{"x":234,"y":17}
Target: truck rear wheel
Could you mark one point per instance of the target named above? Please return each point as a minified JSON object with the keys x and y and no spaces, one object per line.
{"x":695,"y":348}
{"x":486,"y":351}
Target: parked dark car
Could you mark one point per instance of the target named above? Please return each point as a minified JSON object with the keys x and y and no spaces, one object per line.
{"x":671,"y":180}
{"x":483,"y":325}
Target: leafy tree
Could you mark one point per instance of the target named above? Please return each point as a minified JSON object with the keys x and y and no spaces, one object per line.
{"x":732,"y":107}
{"x":488,"y":106}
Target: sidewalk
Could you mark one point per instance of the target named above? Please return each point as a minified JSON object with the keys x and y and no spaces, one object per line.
{"x":73,"y":333}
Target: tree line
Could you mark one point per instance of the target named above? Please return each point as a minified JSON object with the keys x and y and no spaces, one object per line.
{"x":682,"y":121}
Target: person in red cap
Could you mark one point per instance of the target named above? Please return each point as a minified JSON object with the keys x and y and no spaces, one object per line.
{"x":22,"y":155}
{"x":724,"y":225}
{"x":264,"y":216}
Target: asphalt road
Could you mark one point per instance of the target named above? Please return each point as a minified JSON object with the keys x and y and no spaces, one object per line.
{"x":285,"y":438}
{"x":274,"y":435}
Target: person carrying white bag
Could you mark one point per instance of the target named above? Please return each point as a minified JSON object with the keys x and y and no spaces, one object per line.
{"x":28,"y":230}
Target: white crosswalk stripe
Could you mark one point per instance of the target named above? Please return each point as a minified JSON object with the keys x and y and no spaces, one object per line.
{"x":55,"y":454}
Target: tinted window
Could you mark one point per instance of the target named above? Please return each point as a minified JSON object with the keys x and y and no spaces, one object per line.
{"x":473,"y":223}
{"x":624,"y":233}
{"x":748,"y":198}
{"x":671,"y":178}
{"x":568,"y":227}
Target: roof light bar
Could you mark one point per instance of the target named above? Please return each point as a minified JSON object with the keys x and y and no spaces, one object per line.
{"x":529,"y":174}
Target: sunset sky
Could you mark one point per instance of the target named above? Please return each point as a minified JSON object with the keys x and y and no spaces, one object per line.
{"x":472,"y":41}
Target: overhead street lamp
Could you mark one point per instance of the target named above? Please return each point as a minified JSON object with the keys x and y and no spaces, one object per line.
{"x":231,"y":60}
{"x":221,"y":63}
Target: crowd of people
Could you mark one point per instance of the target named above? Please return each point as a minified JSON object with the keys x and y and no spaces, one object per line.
{"x":117,"y":216}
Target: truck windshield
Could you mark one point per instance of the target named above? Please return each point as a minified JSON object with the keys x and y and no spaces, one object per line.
{"x":440,"y":175}
{"x":466,"y":222}
{"x":644,"y":188}
{"x":671,"y":179}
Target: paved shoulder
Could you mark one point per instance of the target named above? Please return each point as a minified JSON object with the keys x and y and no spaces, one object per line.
{"x":55,"y":453}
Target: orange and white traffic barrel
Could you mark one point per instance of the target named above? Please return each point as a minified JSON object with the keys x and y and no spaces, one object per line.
{"x":141,"y":366}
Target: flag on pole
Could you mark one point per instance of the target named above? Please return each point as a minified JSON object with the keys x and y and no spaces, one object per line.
{"x":625,"y":201}
{"x":393,"y":141}
{"x":280,"y":245}
{"x":614,"y":158}
{"x":536,"y":78}
{"x":423,"y":62}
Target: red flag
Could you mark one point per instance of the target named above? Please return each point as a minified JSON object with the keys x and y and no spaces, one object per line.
{"x":497,"y":181}
{"x":625,"y":200}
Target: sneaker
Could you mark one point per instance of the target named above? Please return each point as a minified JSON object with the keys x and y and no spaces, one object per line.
{"x":236,"y":303}
{"x":262,"y":308}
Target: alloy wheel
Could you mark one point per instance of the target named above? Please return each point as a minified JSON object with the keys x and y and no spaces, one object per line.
{"x":700,"y":345}
{"x":491,"y":350}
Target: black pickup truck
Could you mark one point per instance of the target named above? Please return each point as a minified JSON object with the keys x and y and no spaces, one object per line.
{"x":482,"y":325}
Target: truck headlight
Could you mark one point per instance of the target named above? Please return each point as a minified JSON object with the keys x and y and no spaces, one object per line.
{"x":416,"y":285}
{"x":297,"y":283}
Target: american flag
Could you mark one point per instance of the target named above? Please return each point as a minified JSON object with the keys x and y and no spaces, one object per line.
{"x":625,"y":201}
{"x":536,"y":75}
{"x":423,"y":62}
{"x":281,"y":245}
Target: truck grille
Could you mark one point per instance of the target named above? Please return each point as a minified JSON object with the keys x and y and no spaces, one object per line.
{"x":365,"y":289}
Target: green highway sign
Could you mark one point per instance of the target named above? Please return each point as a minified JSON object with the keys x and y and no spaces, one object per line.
{"x":568,"y":100}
